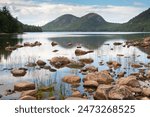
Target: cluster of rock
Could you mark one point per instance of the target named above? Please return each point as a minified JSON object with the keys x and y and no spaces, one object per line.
{"x":109,"y":89}
{"x":26,"y":44}
{"x":27,"y":90}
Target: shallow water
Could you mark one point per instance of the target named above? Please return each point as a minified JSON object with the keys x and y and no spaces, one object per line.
{"x":100,"y":42}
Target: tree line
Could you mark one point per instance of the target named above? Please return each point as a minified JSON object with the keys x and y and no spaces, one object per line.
{"x":9,"y":24}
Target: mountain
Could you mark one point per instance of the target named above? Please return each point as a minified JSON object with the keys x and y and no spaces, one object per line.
{"x":61,"y":23}
{"x":139,"y":23}
{"x":89,"y":22}
{"x":95,"y":22}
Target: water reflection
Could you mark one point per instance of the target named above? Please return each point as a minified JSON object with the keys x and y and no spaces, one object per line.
{"x":102,"y":44}
{"x":91,"y":41}
{"x":6,"y":40}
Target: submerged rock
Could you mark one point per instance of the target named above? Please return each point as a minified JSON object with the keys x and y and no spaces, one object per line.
{"x":120,"y":55}
{"x":23,"y":86}
{"x":86,"y":60}
{"x":75,"y":64}
{"x":59,"y":62}
{"x":47,"y":67}
{"x":71,"y":79}
{"x":113,"y":64}
{"x":17,"y":72}
{"x":9,"y":92}
{"x":89,"y":69}
{"x":136,"y":66}
{"x":31,"y":64}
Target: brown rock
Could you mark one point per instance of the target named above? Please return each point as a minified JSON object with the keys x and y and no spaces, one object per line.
{"x":90,"y":83}
{"x":135,"y":89}
{"x":129,"y":81}
{"x":27,"y":44}
{"x":47,"y":67}
{"x":117,"y":43}
{"x":89,"y":69}
{"x":135,"y":74}
{"x":19,"y":46}
{"x":146,"y":91}
{"x":41,"y":63}
{"x":147,"y":40}
{"x":145,"y":98}
{"x":75,"y":64}
{"x":54,"y":44}
{"x":52,"y":98}
{"x":136,"y":66}
{"x":148,"y":56}
{"x":37,"y":43}
{"x":75,"y":98}
{"x":114,"y":64}
{"x":120,"y":55}
{"x":120,"y":93}
{"x":27,"y":97}
{"x":102,"y":92}
{"x":121,"y":74}
{"x":86,"y":60}
{"x":102,"y":77}
{"x":76,"y":94}
{"x":79,"y":52}
{"x":55,"y":50}
{"x":71,"y":79}
{"x":23,"y":86}
{"x":17,"y":72}
{"x":29,"y":92}
{"x":59,"y":62}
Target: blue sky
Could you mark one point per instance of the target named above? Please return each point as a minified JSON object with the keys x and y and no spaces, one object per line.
{"x":100,"y":2}
{"x":40,"y":12}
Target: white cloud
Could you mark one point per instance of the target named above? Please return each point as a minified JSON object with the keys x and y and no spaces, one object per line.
{"x":38,"y":14}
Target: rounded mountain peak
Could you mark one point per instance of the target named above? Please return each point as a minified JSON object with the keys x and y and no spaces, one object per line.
{"x":94,"y":16}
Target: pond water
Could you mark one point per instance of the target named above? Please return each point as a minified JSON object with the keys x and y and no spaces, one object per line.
{"x":100,"y":42}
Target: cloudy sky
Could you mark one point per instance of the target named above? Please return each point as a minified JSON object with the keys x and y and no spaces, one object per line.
{"x":40,"y":12}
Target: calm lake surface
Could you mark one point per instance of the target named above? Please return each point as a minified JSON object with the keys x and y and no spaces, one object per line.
{"x":100,"y":42}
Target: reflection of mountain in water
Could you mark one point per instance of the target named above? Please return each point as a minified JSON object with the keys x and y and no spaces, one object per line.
{"x":6,"y":40}
{"x":95,"y":41}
